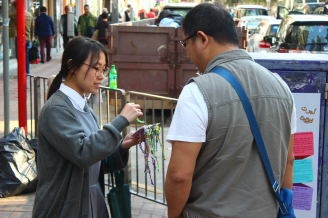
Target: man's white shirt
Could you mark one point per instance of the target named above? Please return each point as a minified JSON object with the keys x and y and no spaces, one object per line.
{"x":190,"y":118}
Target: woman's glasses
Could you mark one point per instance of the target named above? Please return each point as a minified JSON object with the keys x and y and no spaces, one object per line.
{"x":99,"y":71}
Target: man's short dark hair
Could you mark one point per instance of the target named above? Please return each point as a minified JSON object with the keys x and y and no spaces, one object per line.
{"x":86,"y":6}
{"x":104,"y":15}
{"x":151,"y":10}
{"x":214,"y":20}
{"x":14,"y":4}
{"x":43,"y":9}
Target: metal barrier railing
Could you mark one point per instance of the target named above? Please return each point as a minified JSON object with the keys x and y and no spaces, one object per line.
{"x":36,"y":97}
{"x":150,"y":102}
{"x":107,"y":104}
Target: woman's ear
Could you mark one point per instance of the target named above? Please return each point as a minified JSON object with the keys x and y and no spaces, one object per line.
{"x":68,"y":66}
{"x":69,"y":61}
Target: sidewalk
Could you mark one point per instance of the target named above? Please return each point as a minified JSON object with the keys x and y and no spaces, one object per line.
{"x":21,"y":206}
{"x":13,"y":64}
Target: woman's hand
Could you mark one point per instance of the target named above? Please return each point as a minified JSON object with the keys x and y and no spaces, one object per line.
{"x":131,"y":140}
{"x":131,"y":111}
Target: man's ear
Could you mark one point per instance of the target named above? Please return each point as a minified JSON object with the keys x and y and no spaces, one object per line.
{"x":204,"y":38}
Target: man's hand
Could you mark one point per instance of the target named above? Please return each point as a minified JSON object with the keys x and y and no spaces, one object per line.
{"x":61,"y":33}
{"x":53,"y":36}
{"x":179,"y":176}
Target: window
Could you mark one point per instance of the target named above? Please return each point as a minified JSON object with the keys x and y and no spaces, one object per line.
{"x":261,"y":12}
{"x":280,"y":33}
{"x":308,"y":34}
{"x":272,"y":30}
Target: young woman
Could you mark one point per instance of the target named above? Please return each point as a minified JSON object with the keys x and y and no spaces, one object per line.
{"x":71,"y":145}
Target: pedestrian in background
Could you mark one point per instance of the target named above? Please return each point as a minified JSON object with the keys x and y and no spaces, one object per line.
{"x":63,"y":25}
{"x":101,"y":27}
{"x":29,"y":25}
{"x":71,"y":145}
{"x":104,"y":10}
{"x":130,"y":12}
{"x":325,"y":9}
{"x":142,"y":14}
{"x":44,"y":30}
{"x":151,"y":14}
{"x":126,"y":15}
{"x":156,"y":10}
{"x":215,"y":168}
{"x":87,"y":23}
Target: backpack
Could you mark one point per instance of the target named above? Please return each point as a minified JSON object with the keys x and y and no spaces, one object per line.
{"x":142,"y":15}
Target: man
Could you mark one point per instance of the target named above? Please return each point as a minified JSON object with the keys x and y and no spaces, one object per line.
{"x":29,"y":26}
{"x":151,"y":14}
{"x":131,"y":12}
{"x":104,"y":10}
{"x":12,"y":23}
{"x":44,"y":30}
{"x":156,"y":10}
{"x":63,"y":25}
{"x":215,"y":168}
{"x":87,"y":23}
{"x":325,"y":9}
{"x":102,"y":26}
{"x":142,"y":13}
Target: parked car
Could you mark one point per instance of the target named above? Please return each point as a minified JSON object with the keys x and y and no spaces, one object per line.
{"x":249,"y":10}
{"x":301,"y":34}
{"x":255,"y":43}
{"x":308,"y":8}
{"x":251,"y":22}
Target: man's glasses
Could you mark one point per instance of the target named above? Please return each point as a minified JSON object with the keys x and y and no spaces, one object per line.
{"x":99,"y":71}
{"x":183,"y":42}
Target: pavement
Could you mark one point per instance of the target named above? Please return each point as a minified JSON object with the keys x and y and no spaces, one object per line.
{"x":21,"y":206}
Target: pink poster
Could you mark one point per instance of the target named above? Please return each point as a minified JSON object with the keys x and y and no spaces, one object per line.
{"x":303,"y":144}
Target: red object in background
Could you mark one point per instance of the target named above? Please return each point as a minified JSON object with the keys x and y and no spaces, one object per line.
{"x":263,"y":44}
{"x":36,"y":61}
{"x":21,"y":62}
{"x":142,"y":11}
{"x":151,"y":15}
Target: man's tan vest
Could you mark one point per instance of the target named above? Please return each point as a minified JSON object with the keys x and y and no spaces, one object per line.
{"x":230,"y":178}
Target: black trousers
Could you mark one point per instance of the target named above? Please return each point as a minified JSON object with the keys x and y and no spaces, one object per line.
{"x":66,"y":39}
{"x":103,"y":41}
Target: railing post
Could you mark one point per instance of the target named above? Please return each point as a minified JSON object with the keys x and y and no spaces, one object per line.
{"x":127,"y":170}
{"x":37,"y":104}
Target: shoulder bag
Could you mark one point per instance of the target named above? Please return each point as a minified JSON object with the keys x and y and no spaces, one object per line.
{"x":119,"y":197}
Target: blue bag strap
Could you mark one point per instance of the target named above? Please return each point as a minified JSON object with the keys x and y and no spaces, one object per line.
{"x":255,"y":129}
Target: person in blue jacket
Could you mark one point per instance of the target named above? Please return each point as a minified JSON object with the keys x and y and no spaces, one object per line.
{"x":44,"y":30}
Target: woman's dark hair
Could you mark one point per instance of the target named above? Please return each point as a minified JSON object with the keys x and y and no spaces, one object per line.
{"x":214,"y":20}
{"x":104,"y":15}
{"x":77,"y":50}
